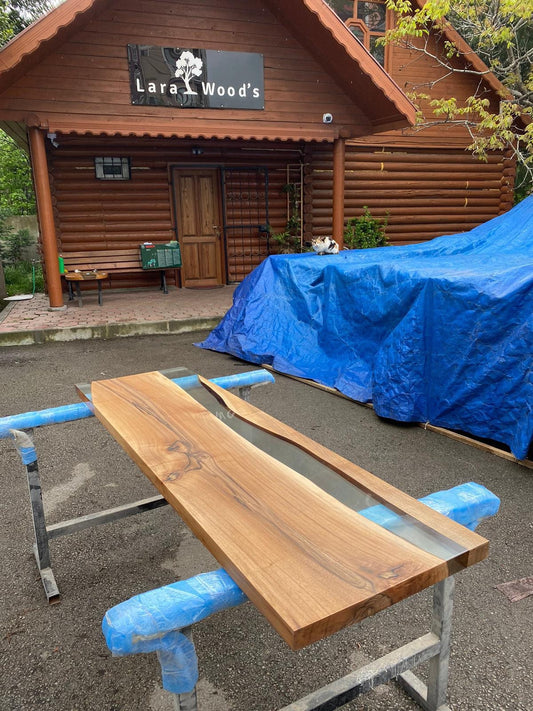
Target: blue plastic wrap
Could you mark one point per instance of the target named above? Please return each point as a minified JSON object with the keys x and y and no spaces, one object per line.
{"x":239,"y":380}
{"x":150,"y":622}
{"x":440,"y":332}
{"x":179,"y":663}
{"x":147,"y":623}
{"x":50,"y":416}
{"x":80,"y":410}
{"x":468,"y":504}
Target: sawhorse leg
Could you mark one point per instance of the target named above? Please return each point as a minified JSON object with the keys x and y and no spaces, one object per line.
{"x":433,"y":696}
{"x":41,"y":549}
{"x":433,"y":647}
{"x":163,"y":286}
{"x":185,"y":702}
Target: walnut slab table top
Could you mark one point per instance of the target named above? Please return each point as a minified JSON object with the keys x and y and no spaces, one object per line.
{"x":309,"y":562}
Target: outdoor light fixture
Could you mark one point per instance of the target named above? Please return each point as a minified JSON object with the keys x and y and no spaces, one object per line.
{"x":109,"y":168}
{"x":197,"y":151}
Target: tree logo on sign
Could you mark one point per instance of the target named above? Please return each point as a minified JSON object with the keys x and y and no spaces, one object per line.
{"x":187,"y":67}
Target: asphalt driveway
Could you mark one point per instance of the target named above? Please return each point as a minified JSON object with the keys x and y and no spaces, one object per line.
{"x":54,"y":658}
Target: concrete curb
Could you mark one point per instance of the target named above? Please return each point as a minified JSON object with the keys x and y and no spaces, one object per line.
{"x":107,"y":331}
{"x":6,"y":310}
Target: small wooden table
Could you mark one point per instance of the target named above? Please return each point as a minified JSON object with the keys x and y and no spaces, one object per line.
{"x":279,"y":511}
{"x":77,"y":277}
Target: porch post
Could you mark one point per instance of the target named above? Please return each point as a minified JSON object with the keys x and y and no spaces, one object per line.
{"x":339,"y":150}
{"x":46,"y":216}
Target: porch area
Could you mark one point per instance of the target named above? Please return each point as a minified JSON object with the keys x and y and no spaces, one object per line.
{"x":122,"y":313}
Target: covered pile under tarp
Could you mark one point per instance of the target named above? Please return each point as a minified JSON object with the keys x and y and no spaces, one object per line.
{"x":439,"y":333}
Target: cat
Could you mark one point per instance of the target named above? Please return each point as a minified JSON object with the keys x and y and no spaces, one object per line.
{"x":325,"y":245}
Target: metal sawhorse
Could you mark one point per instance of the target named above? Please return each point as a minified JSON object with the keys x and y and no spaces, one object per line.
{"x":20,"y":427}
{"x":160,"y":621}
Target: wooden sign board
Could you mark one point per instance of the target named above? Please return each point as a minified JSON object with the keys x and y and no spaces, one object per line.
{"x":308,"y":562}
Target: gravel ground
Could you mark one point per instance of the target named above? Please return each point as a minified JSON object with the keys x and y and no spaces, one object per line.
{"x":54,"y":658}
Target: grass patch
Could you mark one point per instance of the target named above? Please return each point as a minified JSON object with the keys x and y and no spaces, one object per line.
{"x":23,"y":278}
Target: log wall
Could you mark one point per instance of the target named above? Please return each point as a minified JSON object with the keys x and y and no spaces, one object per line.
{"x":424,"y":192}
{"x":105,"y":214}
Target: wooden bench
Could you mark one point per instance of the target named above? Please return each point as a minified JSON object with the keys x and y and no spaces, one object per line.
{"x":112,"y":261}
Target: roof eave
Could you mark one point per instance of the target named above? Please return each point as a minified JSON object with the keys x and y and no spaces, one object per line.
{"x":359,"y":72}
{"x":41,"y":36}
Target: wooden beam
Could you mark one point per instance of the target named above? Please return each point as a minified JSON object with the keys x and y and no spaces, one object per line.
{"x":339,"y":151}
{"x":46,"y":216}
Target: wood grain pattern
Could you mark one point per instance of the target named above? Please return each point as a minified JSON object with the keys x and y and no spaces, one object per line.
{"x":199,"y":221}
{"x":476,"y":547}
{"x":310,"y":564}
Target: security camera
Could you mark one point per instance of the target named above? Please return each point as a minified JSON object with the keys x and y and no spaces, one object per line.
{"x":327,"y":118}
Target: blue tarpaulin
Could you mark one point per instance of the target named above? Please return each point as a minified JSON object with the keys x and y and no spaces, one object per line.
{"x":440,"y":332}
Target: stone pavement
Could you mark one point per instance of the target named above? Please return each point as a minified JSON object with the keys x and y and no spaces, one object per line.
{"x":123,"y":313}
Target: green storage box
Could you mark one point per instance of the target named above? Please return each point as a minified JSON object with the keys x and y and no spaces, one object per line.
{"x":160,"y":256}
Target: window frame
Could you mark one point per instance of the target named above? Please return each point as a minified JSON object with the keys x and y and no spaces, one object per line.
{"x":357,"y":22}
{"x":103,"y":162}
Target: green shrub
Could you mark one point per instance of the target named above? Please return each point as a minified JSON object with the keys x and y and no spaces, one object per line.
{"x":365,"y":231}
{"x":12,"y":245}
{"x":288,"y":241}
{"x":20,"y":278}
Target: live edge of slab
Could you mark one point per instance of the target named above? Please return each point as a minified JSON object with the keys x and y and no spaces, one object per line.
{"x":308,"y":562}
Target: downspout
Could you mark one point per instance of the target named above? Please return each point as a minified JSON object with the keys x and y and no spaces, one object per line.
{"x":339,"y":151}
{"x":45,"y":214}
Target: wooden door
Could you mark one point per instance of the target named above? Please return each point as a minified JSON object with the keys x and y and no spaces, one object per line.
{"x":199,"y":223}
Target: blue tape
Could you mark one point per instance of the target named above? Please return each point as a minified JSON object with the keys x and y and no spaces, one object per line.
{"x":149,"y":622}
{"x":27,"y":454}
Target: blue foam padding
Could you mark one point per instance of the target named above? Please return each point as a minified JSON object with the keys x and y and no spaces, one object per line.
{"x":150,"y":622}
{"x":80,"y":410}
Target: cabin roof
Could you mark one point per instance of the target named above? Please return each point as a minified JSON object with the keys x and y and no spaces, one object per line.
{"x":312,"y":22}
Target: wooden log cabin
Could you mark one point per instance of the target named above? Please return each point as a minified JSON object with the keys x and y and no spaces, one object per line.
{"x":210,"y":123}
